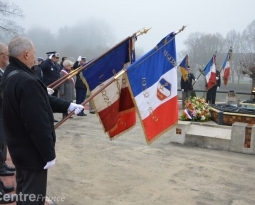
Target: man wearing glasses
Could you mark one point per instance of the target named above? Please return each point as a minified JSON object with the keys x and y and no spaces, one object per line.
{"x":51,"y":70}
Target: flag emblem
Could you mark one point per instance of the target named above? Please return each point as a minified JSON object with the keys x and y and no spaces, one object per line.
{"x":164,"y":89}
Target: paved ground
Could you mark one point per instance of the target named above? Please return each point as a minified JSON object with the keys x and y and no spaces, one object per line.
{"x":92,"y":170}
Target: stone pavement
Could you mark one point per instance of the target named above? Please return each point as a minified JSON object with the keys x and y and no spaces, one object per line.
{"x":91,"y":169}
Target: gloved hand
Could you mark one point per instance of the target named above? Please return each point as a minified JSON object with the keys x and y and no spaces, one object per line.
{"x":75,"y":107}
{"x":50,"y":57}
{"x":79,"y":58}
{"x":50,"y":164}
{"x":217,"y":78}
{"x":218,"y":88}
{"x":50,"y":91}
{"x":195,"y":79}
{"x":182,"y":90}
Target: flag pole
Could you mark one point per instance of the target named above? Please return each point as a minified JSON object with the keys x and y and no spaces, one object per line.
{"x":202,"y":71}
{"x":114,"y":78}
{"x":60,"y":81}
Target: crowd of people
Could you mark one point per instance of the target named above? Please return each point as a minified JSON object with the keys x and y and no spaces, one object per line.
{"x":50,"y":70}
{"x":26,"y":116}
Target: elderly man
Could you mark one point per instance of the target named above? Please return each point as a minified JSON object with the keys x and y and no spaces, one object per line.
{"x":28,"y":122}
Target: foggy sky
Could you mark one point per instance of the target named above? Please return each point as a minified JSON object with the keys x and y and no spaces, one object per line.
{"x":128,"y":16}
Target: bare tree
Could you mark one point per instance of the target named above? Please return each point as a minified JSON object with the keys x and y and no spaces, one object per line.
{"x":8,"y":12}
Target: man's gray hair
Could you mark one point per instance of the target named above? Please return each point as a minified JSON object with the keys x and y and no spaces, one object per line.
{"x":67,"y":63}
{"x":18,"y":45}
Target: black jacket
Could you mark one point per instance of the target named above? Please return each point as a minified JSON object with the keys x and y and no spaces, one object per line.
{"x":28,"y":117}
{"x":1,"y":114}
{"x":187,"y":85}
{"x":78,"y":82}
{"x":51,"y":71}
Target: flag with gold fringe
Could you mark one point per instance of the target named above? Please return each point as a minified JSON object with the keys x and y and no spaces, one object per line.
{"x":114,"y":105}
{"x":153,"y":84}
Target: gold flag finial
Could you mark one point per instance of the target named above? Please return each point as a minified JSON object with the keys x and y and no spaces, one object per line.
{"x":143,"y":31}
{"x":181,"y":29}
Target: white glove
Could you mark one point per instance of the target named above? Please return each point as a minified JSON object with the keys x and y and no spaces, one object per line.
{"x":75,"y":107}
{"x":217,"y":78}
{"x":182,"y":90}
{"x":50,"y":57}
{"x":218,"y":88}
{"x":195,"y":79}
{"x":50,"y":164}
{"x":50,"y":91}
{"x":79,"y":58}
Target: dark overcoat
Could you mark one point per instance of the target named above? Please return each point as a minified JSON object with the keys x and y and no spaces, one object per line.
{"x":28,"y":117}
{"x":51,"y":71}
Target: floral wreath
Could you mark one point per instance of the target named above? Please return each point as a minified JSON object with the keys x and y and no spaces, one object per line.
{"x":196,"y":109}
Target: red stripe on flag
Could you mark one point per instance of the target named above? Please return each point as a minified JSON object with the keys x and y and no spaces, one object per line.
{"x":212,"y":81}
{"x":126,"y":115}
{"x":226,"y":75}
{"x":126,"y":120}
{"x":162,"y":118}
{"x":109,"y":116}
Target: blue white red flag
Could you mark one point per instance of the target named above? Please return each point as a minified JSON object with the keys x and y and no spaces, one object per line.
{"x":210,"y":73}
{"x":153,"y":83}
{"x":110,"y":102}
{"x":226,"y":67}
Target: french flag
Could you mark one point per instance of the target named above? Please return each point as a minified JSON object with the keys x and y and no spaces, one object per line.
{"x":153,"y":83}
{"x":226,"y":69}
{"x":113,"y":104}
{"x":210,"y":73}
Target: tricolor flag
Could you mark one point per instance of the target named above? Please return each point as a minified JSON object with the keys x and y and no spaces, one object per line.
{"x":210,"y":73}
{"x":183,"y":68}
{"x":153,"y":82}
{"x":113,"y":104}
{"x":226,"y":67}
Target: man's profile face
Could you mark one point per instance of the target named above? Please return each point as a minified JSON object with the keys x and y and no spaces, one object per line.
{"x":31,"y":57}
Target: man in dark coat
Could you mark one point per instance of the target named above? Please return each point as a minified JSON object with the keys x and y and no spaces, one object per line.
{"x":51,"y":70}
{"x":211,"y":93}
{"x":28,"y":121}
{"x":186,"y":86}
{"x":80,"y":87}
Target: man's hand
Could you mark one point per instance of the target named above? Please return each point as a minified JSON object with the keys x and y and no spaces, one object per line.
{"x":182,"y":90}
{"x":50,"y":91}
{"x":217,"y":78}
{"x":50,"y":164}
{"x":75,"y":107}
{"x":218,"y":88}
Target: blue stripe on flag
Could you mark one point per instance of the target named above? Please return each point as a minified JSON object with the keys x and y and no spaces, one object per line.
{"x":106,"y":66}
{"x":152,"y":65}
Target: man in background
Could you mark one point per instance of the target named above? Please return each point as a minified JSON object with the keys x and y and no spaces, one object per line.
{"x":51,"y":70}
{"x":80,"y":87}
{"x":186,"y":86}
{"x":211,"y":93}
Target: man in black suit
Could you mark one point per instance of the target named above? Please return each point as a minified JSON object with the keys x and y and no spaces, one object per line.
{"x":211,"y":93}
{"x":51,"y":70}
{"x":28,"y":122}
